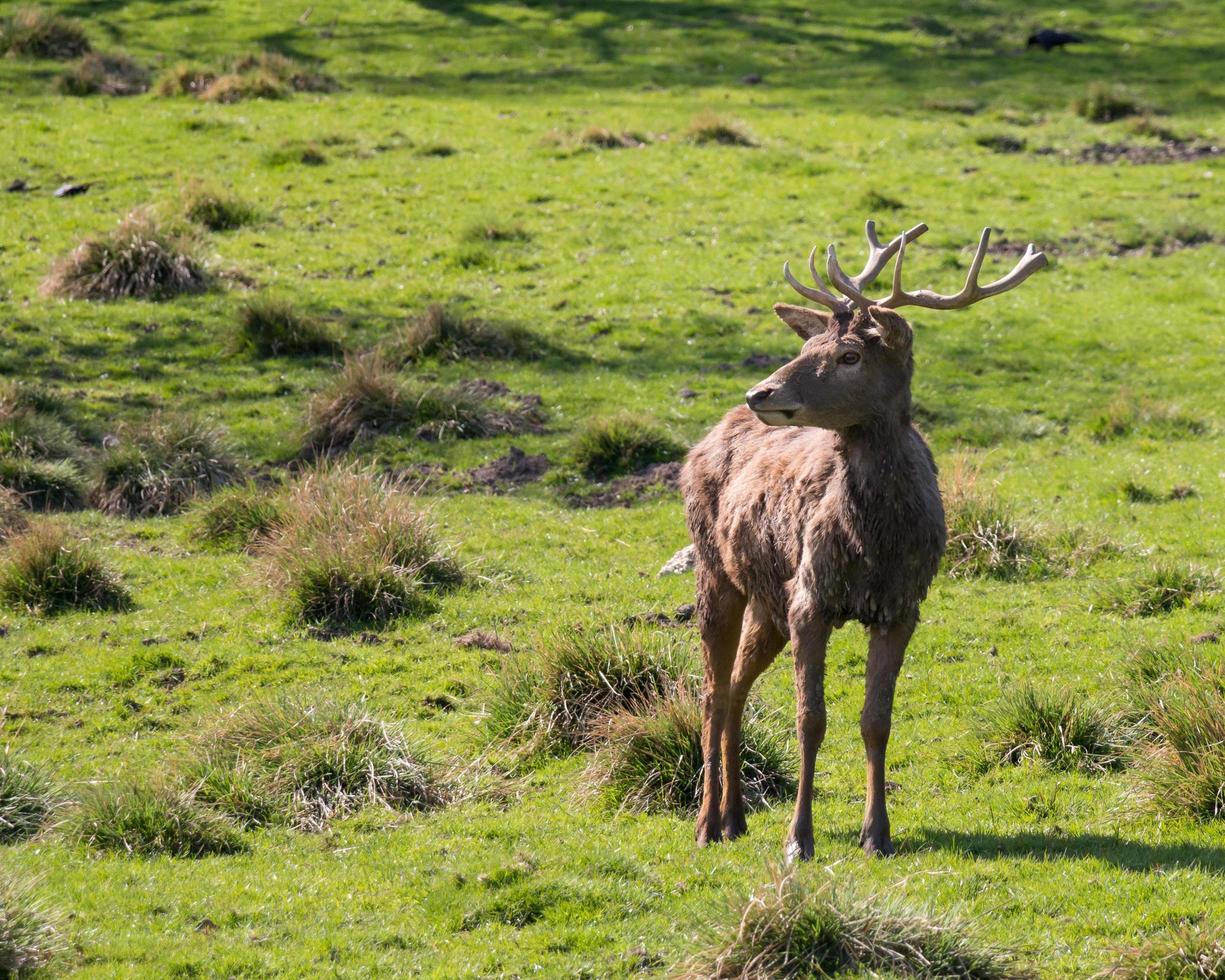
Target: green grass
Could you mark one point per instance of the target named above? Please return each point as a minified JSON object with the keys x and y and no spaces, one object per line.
{"x":30,"y":936}
{"x":143,"y":820}
{"x":49,"y":570}
{"x":27,"y":798}
{"x":1054,"y":729}
{"x":271,"y":326}
{"x":655,"y":268}
{"x":619,"y":444}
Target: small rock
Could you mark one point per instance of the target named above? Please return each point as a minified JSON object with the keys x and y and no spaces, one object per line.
{"x":483,"y":640}
{"x":153,"y":641}
{"x":71,"y":190}
{"x":18,"y":186}
{"x":687,"y":393}
{"x":685,"y":613}
{"x":680,"y":563}
{"x":751,"y":79}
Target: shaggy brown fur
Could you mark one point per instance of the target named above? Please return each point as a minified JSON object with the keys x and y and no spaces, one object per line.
{"x":815,"y":505}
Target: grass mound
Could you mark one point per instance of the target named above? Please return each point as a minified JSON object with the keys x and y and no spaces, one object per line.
{"x":104,"y":74}
{"x":160,"y":465}
{"x":1154,"y":662}
{"x":556,"y":696}
{"x":305,"y":765}
{"x":238,"y":518}
{"x":1160,"y":590}
{"x":1186,"y":952}
{"x":651,"y":760}
{"x":709,"y":127}
{"x":788,"y":929}
{"x":27,"y":798}
{"x":29,"y":938}
{"x":452,"y":336}
{"x":620,"y":444}
{"x":1104,"y":103}
{"x":353,"y":549}
{"x":1128,"y":414}
{"x":986,"y":541}
{"x":271,"y":326}
{"x":260,"y":76}
{"x":49,"y":570}
{"x":1060,"y":730}
{"x":1182,"y":772}
{"x":31,"y":32}
{"x":138,"y":260}
{"x":213,"y":208}
{"x":369,"y":397}
{"x":145,"y":820}
{"x":600,"y":138}
{"x":42,"y":484}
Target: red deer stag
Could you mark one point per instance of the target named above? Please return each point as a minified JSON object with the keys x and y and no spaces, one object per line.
{"x":814,"y":505}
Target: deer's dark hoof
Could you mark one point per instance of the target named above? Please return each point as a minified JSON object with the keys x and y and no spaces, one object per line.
{"x":734,"y":825}
{"x":795,"y":851}
{"x":708,"y":830}
{"x":876,"y":844}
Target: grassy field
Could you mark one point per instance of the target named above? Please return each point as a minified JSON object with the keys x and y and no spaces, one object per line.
{"x":449,"y":167}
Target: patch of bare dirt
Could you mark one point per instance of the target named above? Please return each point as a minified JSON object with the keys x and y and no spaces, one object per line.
{"x":625,"y":491}
{"x":1074,"y":246}
{"x":683,"y":615}
{"x":1170,"y":151}
{"x":505,"y":473}
{"x":483,"y":640}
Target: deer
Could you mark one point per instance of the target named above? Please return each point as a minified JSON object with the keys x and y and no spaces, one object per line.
{"x":814,"y":504}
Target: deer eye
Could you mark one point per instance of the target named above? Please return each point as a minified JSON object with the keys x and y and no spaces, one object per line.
{"x":850,"y":357}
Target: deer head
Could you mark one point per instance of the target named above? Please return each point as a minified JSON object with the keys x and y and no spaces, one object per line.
{"x":856,"y":360}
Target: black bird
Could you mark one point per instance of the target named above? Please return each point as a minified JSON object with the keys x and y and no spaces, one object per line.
{"x":1048,"y":39}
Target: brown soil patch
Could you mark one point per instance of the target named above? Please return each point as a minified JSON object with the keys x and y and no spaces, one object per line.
{"x":483,"y":640}
{"x":625,"y":491}
{"x":1171,"y":151}
{"x":507,"y":472}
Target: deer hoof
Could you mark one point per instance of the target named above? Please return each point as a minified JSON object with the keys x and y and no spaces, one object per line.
{"x":876,"y":845}
{"x":795,"y":851}
{"x":734,"y":827}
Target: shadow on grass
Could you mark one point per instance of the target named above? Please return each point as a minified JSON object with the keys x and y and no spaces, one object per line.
{"x":1130,"y":855}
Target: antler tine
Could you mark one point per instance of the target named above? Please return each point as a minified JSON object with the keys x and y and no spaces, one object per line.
{"x":971,"y":292}
{"x":878,"y":257}
{"x":819,"y":295}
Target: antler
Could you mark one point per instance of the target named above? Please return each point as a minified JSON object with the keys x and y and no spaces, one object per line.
{"x":879,"y":255}
{"x":971,"y":292}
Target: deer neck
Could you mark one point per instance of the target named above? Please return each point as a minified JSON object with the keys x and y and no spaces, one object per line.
{"x":873,"y":457}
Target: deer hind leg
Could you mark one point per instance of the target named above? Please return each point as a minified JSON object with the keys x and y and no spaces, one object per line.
{"x":720,"y":612}
{"x":809,"y":638}
{"x":760,"y":642}
{"x":886,"y":647}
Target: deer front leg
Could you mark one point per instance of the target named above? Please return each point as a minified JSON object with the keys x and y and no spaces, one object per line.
{"x":809,"y":637}
{"x":886,"y":648}
{"x":760,"y":642}
{"x":720,"y":611}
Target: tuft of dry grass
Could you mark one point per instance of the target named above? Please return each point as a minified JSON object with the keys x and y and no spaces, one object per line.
{"x":42,"y":484}
{"x":556,"y":696}
{"x":27,"y":798}
{"x":369,"y":397}
{"x":157,"y":467}
{"x":449,"y":334}
{"x":32,"y":32}
{"x":1157,"y":591}
{"x":1181,"y":771}
{"x":354,"y":549}
{"x":984,"y":539}
{"x":140,"y":259}
{"x":1185,"y":952}
{"x":238,"y":518}
{"x":709,"y":127}
{"x":306,"y":764}
{"x":790,"y":929}
{"x":114,"y":73}
{"x":650,"y":760}
{"x":29,"y":930}
{"x":12,"y":517}
{"x":49,"y":570}
{"x":265,"y":75}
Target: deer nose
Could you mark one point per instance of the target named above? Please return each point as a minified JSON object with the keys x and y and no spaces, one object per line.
{"x":759,"y":395}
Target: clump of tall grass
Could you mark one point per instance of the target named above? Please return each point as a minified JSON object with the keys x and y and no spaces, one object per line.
{"x":1184,"y":952}
{"x":39,"y":449}
{"x":620,"y":444}
{"x":27,"y":798}
{"x":114,"y":73}
{"x":48,"y":570}
{"x":12,"y":517}
{"x":789,"y":929}
{"x":1156,"y":591}
{"x":1129,"y":414}
{"x":271,"y":326}
{"x":984,"y":539}
{"x":43,"y":484}
{"x":1057,"y":729}
{"x":449,"y":334}
{"x":213,"y":208}
{"x":29,"y":933}
{"x":650,"y":759}
{"x":1181,"y":770}
{"x":301,"y":764}
{"x":353,"y":548}
{"x":238,"y":517}
{"x":1104,"y":102}
{"x":32,"y":32}
{"x":557,"y":695}
{"x":265,"y":75}
{"x":709,"y":127}
{"x":369,"y":397}
{"x":158,"y":466}
{"x":139,"y":819}
{"x":140,"y":259}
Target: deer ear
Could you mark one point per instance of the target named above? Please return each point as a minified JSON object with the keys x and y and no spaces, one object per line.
{"x":805,"y":322}
{"x":891,"y":327}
